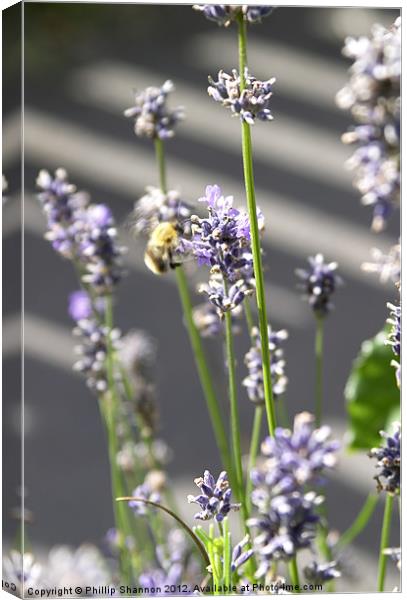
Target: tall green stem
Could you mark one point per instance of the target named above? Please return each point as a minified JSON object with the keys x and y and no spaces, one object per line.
{"x":360,"y":522}
{"x":319,"y":348}
{"x":384,"y":542}
{"x":255,"y":240}
{"x":204,"y":374}
{"x":109,"y":407}
{"x":234,"y":411}
{"x":293,"y":570}
{"x":254,"y":448}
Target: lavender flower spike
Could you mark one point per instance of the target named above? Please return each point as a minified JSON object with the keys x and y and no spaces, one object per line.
{"x":152,"y":117}
{"x":214,"y":498}
{"x":254,"y":382}
{"x":295,"y":458}
{"x":288,"y":525}
{"x":251,"y":103}
{"x":388,"y":461}
{"x":224,"y":14}
{"x":319,"y":283}
{"x":222,"y":241}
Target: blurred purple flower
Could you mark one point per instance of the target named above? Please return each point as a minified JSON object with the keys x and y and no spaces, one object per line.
{"x":319,"y":283}
{"x":152,"y":117}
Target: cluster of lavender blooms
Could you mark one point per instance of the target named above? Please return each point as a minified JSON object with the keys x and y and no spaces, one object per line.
{"x":93,"y":336}
{"x":224,"y":14}
{"x":319,"y":283}
{"x":388,"y":461}
{"x":149,"y":490}
{"x":373,"y":97}
{"x":394,"y":338}
{"x":287,"y":510}
{"x":158,"y":207}
{"x":215,"y":497}
{"x":81,"y":231}
{"x":250,"y":103}
{"x":387,"y":266}
{"x":254,"y":382}
{"x":152,"y":117}
{"x":222,"y":241}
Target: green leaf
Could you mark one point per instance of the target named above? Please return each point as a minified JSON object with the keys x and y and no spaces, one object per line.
{"x":371,"y":393}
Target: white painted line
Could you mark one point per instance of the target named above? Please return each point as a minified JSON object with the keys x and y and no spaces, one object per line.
{"x":297,"y":229}
{"x":285,"y":142}
{"x":43,"y":340}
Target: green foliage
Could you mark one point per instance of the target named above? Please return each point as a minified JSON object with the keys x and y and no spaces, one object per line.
{"x":371,"y":392}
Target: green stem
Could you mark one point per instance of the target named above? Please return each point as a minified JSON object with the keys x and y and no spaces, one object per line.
{"x":160,"y":156}
{"x":384,"y":542}
{"x":255,"y":240}
{"x":234,"y":411}
{"x":254,"y":448}
{"x":319,"y":346}
{"x":360,"y":522}
{"x":109,"y":406}
{"x":203,"y":372}
{"x":293,"y":570}
{"x":227,"y":575}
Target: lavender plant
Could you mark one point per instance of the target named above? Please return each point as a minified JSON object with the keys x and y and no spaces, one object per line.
{"x":279,"y":496}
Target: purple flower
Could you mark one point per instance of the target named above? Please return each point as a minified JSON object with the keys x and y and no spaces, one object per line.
{"x":387,"y":266}
{"x":222,"y":241}
{"x":215,"y":497}
{"x":318,"y":574}
{"x":82,"y":232}
{"x":373,"y":97}
{"x":388,"y":461}
{"x":254,"y":382}
{"x":285,"y":524}
{"x":155,"y":207}
{"x":293,"y":459}
{"x":152,"y":117}
{"x":147,"y":492}
{"x":224,"y":14}
{"x":208,"y":322}
{"x":250,"y":103}
{"x":92,"y":352}
{"x":80,"y":305}
{"x":319,"y":283}
{"x":239,"y":555}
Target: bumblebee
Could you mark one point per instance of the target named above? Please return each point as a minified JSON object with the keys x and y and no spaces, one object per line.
{"x":161,"y":248}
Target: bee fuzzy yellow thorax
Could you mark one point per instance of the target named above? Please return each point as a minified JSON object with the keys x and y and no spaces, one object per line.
{"x":160,"y":247}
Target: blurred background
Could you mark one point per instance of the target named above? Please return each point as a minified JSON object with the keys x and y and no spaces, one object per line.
{"x":82,"y":63}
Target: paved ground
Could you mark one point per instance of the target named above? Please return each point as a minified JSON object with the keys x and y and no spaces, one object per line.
{"x":81,"y":66}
